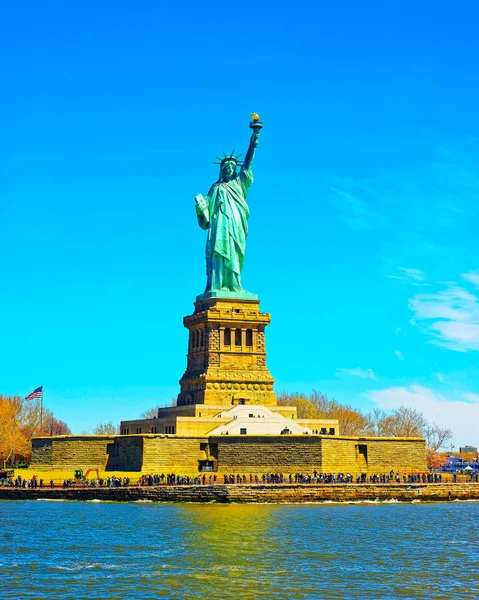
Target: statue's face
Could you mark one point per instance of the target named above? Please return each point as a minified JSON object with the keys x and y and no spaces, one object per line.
{"x":228,"y":169}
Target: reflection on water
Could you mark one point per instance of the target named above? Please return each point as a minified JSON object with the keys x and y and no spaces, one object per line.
{"x":230,"y":547}
{"x":142,"y":550}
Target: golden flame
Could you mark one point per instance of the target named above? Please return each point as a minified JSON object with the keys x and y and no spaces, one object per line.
{"x":255,"y":116}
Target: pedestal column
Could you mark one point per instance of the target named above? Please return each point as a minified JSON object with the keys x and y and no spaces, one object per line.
{"x":224,"y":374}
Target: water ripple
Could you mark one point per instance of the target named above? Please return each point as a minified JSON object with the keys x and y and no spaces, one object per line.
{"x":146,"y":550}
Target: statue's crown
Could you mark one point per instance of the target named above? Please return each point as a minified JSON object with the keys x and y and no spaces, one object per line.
{"x":229,"y":158}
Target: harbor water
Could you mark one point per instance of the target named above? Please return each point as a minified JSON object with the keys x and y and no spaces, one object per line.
{"x":64,"y":549}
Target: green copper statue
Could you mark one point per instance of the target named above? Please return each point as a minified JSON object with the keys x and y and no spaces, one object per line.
{"x":224,"y":214}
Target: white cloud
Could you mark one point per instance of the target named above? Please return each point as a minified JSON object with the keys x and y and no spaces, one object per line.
{"x":414,"y":274}
{"x":440,"y":377}
{"x":472,"y":277}
{"x":410,"y":276}
{"x":451,"y":317}
{"x":399,"y":354}
{"x":459,"y":413}
{"x":358,"y":372}
{"x":356,"y":205}
{"x":470,"y":397}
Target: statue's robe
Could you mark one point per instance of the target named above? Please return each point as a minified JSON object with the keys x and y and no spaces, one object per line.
{"x":227,"y":230}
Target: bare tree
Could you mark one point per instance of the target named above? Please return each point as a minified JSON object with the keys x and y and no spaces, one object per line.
{"x":404,"y":422}
{"x":305,"y":408}
{"x":106,"y":429}
{"x":53,"y":426}
{"x":436,"y":437}
{"x":376,"y":419}
{"x":318,"y":406}
{"x":151,"y":413}
{"x":324,"y":405}
{"x":351,"y":420}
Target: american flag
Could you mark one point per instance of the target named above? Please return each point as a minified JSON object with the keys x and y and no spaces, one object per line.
{"x":35,"y":394}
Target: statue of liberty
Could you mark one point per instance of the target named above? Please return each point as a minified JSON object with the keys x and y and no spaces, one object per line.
{"x":224,"y":214}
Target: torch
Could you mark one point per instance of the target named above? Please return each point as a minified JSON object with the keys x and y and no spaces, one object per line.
{"x":255,"y":124}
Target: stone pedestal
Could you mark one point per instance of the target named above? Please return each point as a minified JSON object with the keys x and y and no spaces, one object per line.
{"x":227,"y":354}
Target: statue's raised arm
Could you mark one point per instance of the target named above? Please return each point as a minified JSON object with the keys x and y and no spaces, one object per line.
{"x":253,"y":144}
{"x":224,"y":214}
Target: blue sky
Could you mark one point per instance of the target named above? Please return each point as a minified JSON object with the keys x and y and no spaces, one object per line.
{"x":363,"y":237}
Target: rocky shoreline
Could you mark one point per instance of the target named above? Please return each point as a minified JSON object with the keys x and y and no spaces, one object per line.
{"x":261,"y":493}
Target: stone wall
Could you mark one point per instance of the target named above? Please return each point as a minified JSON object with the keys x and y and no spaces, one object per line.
{"x":293,"y":454}
{"x":260,"y":454}
{"x":155,"y":454}
{"x":147,"y":453}
{"x":234,"y":453}
{"x":197,"y":427}
{"x":258,"y":493}
{"x":164,"y":454}
{"x":373,"y":455}
{"x":399,"y":454}
{"x":42,"y":451}
{"x":70,"y":452}
{"x":125,"y":453}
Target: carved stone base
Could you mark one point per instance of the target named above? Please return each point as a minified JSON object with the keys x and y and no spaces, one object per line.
{"x":225,"y":294}
{"x":227,"y":354}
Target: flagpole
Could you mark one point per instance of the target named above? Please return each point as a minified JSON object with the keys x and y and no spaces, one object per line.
{"x":41,"y":412}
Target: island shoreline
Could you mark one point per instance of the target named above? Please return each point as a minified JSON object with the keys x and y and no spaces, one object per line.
{"x":254,"y":493}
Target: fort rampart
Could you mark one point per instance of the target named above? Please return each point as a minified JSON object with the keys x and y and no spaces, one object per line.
{"x":150,"y":453}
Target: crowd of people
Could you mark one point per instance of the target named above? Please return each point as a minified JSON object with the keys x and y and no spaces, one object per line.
{"x":237,"y":479}
{"x":18,"y":482}
{"x":35,"y":482}
{"x":303,"y":478}
{"x":99,"y":482}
